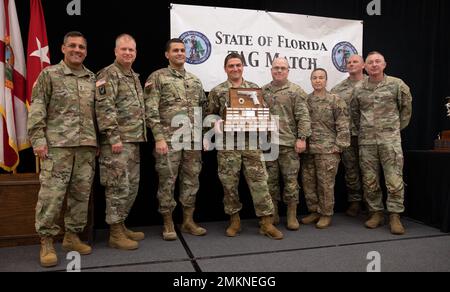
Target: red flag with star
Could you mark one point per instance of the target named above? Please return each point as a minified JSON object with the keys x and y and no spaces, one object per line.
{"x":38,"y":56}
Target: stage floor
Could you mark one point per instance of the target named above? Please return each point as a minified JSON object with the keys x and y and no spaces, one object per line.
{"x":342,"y":247}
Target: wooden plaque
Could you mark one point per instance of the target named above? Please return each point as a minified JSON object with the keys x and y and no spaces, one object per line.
{"x":247,"y":112}
{"x":246,"y":98}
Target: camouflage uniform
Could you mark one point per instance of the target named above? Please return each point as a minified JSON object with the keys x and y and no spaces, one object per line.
{"x":288,"y":102}
{"x":350,"y":156}
{"x":169,"y":93}
{"x":380,"y":112}
{"x":330,"y":135}
{"x":120,"y":109}
{"x":230,"y":162}
{"x":62,"y":118}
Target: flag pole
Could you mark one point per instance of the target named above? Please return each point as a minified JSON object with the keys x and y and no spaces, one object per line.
{"x":37,"y":163}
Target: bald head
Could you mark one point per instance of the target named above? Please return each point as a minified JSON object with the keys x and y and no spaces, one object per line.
{"x":355,"y":67}
{"x":280,"y":71}
{"x":280,"y":61}
{"x":124,"y":38}
{"x":357,"y":58}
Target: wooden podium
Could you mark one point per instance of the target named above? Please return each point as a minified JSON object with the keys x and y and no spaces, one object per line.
{"x":443,"y":144}
{"x":18,"y":198}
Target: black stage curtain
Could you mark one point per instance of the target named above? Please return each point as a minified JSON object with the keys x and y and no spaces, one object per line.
{"x":413,"y":36}
{"x":427,"y":176}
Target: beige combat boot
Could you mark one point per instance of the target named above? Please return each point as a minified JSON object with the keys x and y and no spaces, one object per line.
{"x":267,"y":228}
{"x":136,"y":236}
{"x":169,"y":233}
{"x":235,"y":225}
{"x":72,"y":242}
{"x":324,"y":222}
{"x":47,"y":254}
{"x":376,"y":219}
{"x":276,"y":215}
{"x":292,"y":222}
{"x":189,"y":226}
{"x":118,"y":239}
{"x":354,"y":209}
{"x":396,"y":225}
{"x":311,"y":218}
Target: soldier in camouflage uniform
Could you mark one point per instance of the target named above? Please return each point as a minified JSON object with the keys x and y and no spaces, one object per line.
{"x":120,"y":109}
{"x":61,"y":127}
{"x":230,"y":161}
{"x":173,"y":93}
{"x":350,"y":156}
{"x":287,"y":101}
{"x":382,"y":108}
{"x":330,"y":124}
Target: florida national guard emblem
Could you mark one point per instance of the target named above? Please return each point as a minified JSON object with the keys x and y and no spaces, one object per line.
{"x":198,"y":47}
{"x":341,"y":53}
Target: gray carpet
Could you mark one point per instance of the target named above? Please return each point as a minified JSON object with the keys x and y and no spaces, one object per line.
{"x":342,"y":247}
{"x":152,"y":250}
{"x":413,"y":255}
{"x":344,"y":231}
{"x":184,"y":267}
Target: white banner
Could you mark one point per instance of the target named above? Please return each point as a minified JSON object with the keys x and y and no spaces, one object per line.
{"x":308,"y":42}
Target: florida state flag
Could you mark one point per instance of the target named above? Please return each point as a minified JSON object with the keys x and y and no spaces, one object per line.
{"x":38,"y":56}
{"x":13,"y":110}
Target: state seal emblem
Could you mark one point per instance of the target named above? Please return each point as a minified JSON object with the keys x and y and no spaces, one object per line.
{"x":198,"y":47}
{"x":340,"y":55}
